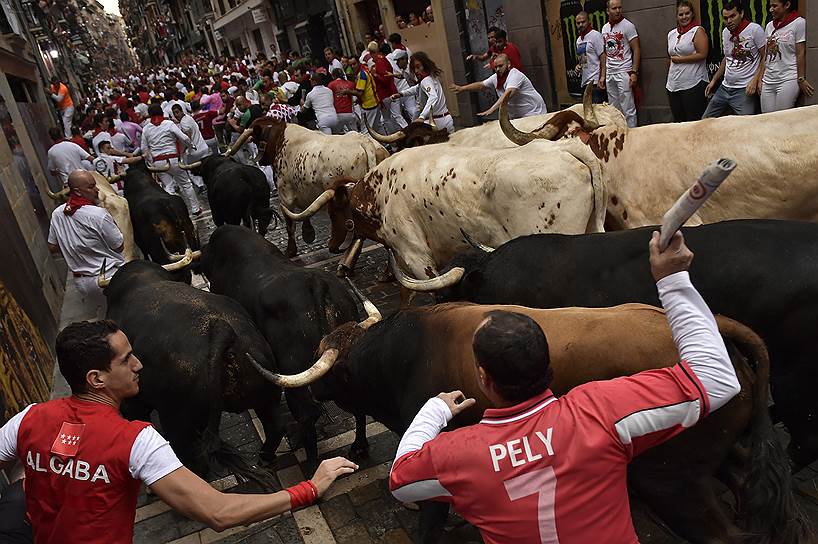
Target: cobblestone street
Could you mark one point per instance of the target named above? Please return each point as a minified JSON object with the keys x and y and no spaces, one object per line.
{"x":359,"y":509}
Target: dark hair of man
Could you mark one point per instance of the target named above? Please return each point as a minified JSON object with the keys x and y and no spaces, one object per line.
{"x":55,"y":133}
{"x":385,"y":49}
{"x":428,"y":64}
{"x":492,"y":29}
{"x":395,"y":38}
{"x":337,"y":73}
{"x":513,"y":350}
{"x":124,"y":117}
{"x":195,"y":105}
{"x":180,"y":95}
{"x":82,"y":347}
{"x":730,"y":5}
{"x":55,"y":80}
{"x":319,"y":78}
{"x":500,"y":34}
{"x":155,"y":109}
{"x":98,"y":118}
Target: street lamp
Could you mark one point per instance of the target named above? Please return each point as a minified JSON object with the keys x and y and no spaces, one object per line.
{"x":53,"y":54}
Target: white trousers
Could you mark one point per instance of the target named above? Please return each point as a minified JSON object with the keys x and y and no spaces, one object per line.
{"x":409,"y":106}
{"x":177,"y":180}
{"x":374,"y":119}
{"x":213,"y":144}
{"x":393,"y":119}
{"x":327,"y":123}
{"x":92,"y":297}
{"x":347,"y":122}
{"x":620,"y":96}
{"x":779,"y":96}
{"x":447,"y":122}
{"x":67,"y":118}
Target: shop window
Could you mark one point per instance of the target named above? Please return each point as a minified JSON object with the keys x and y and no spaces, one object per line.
{"x":21,"y":89}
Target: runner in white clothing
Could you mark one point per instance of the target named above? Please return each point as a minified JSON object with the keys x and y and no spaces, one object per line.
{"x":591,"y":58}
{"x":399,"y":59}
{"x":429,"y":93}
{"x":198,"y":149}
{"x":524,"y":100}
{"x":64,"y":156}
{"x":623,"y":58}
{"x":321,"y":100}
{"x":785,"y":66}
{"x":86,"y":235}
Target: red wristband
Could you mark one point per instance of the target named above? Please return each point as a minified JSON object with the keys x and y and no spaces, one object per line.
{"x":303,"y":494}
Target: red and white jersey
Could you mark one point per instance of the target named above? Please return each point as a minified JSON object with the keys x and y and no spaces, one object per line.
{"x":554,"y":469}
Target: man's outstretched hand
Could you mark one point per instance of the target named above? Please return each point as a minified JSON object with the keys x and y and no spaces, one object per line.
{"x":675,"y":258}
{"x":329,"y":470}
{"x":456,"y":401}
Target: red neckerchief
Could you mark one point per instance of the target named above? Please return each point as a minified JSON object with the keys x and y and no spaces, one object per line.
{"x":744,"y":24}
{"x":157,"y":119}
{"x":687,"y":28}
{"x":586,"y":31}
{"x":75,"y":202}
{"x":400,"y":46}
{"x":790,"y":17}
{"x":501,"y":79}
{"x":613,"y":24}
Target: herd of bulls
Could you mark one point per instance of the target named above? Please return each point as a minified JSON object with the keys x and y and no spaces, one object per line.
{"x":543,"y":193}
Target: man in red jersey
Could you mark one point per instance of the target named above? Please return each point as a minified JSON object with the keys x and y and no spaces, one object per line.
{"x":84,"y":462}
{"x":543,"y":469}
{"x":205,"y":121}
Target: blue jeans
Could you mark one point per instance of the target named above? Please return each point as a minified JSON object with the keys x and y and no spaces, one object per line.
{"x":736,"y":99}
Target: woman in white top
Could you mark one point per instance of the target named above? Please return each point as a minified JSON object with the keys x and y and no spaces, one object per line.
{"x":321,"y":100}
{"x":687,"y":49}
{"x":429,"y":92}
{"x":785,"y":64}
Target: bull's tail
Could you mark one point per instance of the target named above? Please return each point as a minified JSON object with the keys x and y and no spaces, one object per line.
{"x":768,"y":510}
{"x":596,"y":222}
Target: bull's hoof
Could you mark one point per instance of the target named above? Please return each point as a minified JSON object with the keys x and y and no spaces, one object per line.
{"x":307,"y":232}
{"x":384,"y":276}
{"x":359,"y":451}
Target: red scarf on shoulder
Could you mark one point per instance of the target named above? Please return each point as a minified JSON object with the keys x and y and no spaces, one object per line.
{"x":157,"y":119}
{"x":682,"y":30}
{"x":75,"y":202}
{"x":744,"y":24}
{"x":501,"y":79}
{"x":586,"y":31}
{"x":788,"y":18}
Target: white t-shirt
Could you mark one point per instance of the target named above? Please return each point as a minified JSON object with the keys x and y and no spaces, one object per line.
{"x":121,"y":142}
{"x":106,"y":164}
{"x":685,"y":75}
{"x":430,"y":97}
{"x":618,"y":47}
{"x":743,"y":57}
{"x":86,"y":239}
{"x":781,"y":63}
{"x":191,"y":129}
{"x":151,"y":456}
{"x":333,"y":65}
{"x":526,"y":102}
{"x":589,"y":49}
{"x":65,"y":157}
{"x":322,"y":101}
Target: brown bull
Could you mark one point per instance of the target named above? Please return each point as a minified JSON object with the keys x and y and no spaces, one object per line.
{"x":390,"y":369}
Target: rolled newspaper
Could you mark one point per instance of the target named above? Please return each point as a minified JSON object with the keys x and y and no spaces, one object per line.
{"x":693,"y":198}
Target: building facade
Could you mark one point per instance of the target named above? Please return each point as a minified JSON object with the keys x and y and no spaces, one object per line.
{"x":248,"y":25}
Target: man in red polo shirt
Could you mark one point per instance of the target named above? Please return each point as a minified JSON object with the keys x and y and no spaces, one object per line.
{"x":543,"y":469}
{"x":342,"y":92}
{"x":85,"y":463}
{"x":504,"y":47}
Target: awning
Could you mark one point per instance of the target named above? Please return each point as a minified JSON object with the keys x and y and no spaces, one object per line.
{"x":237,"y":13}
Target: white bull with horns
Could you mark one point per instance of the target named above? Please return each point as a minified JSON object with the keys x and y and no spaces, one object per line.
{"x":306,"y":162}
{"x":645,"y":169}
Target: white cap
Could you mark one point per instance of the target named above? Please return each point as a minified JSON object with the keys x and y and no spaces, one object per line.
{"x":399,"y":54}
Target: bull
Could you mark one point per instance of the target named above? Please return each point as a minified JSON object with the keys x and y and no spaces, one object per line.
{"x":162,"y":225}
{"x":292,"y":306}
{"x":775,"y":179}
{"x":116,"y":205}
{"x":389,"y":370}
{"x":746,"y":269}
{"x":306,"y":162}
{"x":238,"y":194}
{"x":193,"y":346}
{"x":415,"y":201}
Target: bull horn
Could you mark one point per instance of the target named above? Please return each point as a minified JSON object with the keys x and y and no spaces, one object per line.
{"x":588,"y":113}
{"x":159,"y":169}
{"x":239,"y":142}
{"x":321,"y":367}
{"x":196,"y":255}
{"x":448,"y":279}
{"x":399,"y":135}
{"x":432,"y":120}
{"x":173,"y":257}
{"x":102,"y":281}
{"x":312,"y":209}
{"x":178,"y":265}
{"x":369,"y":307}
{"x":60,"y":195}
{"x":475,"y":244}
{"x":190,"y":166}
{"x":517,"y":136}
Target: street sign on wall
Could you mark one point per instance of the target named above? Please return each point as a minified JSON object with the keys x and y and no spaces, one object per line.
{"x":259,"y":15}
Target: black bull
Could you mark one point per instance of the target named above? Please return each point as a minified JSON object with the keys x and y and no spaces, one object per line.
{"x":193,"y":346}
{"x":761,"y":273}
{"x":238,"y":194}
{"x":161,"y":222}
{"x":293,"y":307}
{"x":391,"y":369}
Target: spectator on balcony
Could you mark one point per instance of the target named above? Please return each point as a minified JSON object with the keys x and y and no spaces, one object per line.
{"x":62,"y":98}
